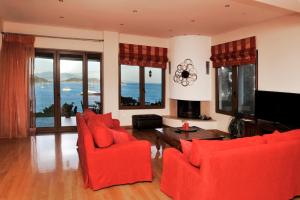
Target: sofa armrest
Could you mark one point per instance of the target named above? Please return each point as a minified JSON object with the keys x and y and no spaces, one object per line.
{"x":178,"y":173}
{"x":116,"y":123}
{"x":119,"y":158}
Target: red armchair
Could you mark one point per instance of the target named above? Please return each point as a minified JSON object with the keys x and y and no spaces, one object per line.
{"x":260,"y":172}
{"x":117,"y":164}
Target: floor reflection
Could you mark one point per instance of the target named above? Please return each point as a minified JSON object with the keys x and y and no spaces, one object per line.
{"x":53,"y":152}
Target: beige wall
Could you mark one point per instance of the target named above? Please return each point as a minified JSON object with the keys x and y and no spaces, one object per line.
{"x":110,"y":49}
{"x":278,"y":44}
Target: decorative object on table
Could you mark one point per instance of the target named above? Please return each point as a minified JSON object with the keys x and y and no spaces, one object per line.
{"x":236,"y":126}
{"x":67,"y":109}
{"x":190,"y":129}
{"x":186,"y":73}
{"x":185,"y":126}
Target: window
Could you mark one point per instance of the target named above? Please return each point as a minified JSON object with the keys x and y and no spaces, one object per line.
{"x":141,"y":87}
{"x":235,"y":89}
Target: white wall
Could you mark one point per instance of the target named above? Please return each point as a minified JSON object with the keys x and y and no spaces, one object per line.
{"x":110,"y":49}
{"x":278,"y":44}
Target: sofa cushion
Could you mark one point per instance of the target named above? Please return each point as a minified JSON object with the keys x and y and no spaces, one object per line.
{"x":120,"y":137}
{"x":186,"y":148}
{"x":201,"y":148}
{"x":106,"y":119}
{"x":276,"y":136}
{"x":102,"y":135}
{"x":88,"y":114}
{"x":101,"y":120}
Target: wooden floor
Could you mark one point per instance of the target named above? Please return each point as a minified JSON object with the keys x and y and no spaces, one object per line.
{"x":47,"y":167}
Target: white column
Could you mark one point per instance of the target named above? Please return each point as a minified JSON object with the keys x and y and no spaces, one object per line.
{"x":111,"y":71}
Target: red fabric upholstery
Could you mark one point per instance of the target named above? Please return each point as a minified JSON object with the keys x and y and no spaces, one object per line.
{"x":106,"y":119}
{"x":88,"y":114}
{"x":281,"y":137}
{"x":186,"y":147}
{"x":103,"y":136}
{"x":121,"y":137}
{"x":123,"y":163}
{"x":260,"y":172}
{"x":201,"y":148}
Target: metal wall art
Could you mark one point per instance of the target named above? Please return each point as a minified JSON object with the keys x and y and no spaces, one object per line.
{"x":186,"y":73}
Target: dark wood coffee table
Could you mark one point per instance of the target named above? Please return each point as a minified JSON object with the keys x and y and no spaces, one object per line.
{"x":170,"y":136}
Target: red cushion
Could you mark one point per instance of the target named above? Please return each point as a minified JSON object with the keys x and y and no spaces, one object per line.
{"x":103,"y":137}
{"x":120,"y":137}
{"x":88,"y":114}
{"x":276,"y":136}
{"x":186,"y":148}
{"x":201,"y":148}
{"x":106,"y":119}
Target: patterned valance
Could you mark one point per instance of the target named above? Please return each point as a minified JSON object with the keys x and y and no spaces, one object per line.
{"x":234,"y":53}
{"x":131,"y":54}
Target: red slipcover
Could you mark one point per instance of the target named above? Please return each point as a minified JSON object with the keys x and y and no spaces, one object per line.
{"x":123,"y":163}
{"x":260,"y":172}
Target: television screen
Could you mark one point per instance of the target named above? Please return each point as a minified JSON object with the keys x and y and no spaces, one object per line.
{"x":278,"y":107}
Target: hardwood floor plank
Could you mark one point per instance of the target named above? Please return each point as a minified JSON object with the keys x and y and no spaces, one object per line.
{"x":47,"y":167}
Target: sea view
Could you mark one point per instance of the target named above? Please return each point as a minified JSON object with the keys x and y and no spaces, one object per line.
{"x":71,"y":92}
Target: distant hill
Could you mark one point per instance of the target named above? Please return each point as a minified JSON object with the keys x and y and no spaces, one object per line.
{"x":73,"y":80}
{"x":94,"y":80}
{"x":63,"y":76}
{"x":40,"y":80}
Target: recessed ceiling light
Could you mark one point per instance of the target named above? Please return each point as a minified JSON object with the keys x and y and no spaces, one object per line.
{"x":227,"y":5}
{"x":134,"y":11}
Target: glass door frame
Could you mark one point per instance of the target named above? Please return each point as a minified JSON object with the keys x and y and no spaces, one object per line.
{"x":56,"y":81}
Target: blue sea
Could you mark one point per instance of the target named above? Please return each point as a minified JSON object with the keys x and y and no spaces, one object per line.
{"x":71,"y":92}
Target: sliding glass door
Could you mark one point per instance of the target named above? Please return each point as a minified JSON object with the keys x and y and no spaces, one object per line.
{"x":44,"y":90}
{"x":65,"y":83}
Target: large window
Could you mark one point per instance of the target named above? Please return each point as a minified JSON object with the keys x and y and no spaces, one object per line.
{"x":235,"y":89}
{"x":66,"y":82}
{"x":141,"y":87}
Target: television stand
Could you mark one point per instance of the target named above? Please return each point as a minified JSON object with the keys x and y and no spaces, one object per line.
{"x":261,"y":127}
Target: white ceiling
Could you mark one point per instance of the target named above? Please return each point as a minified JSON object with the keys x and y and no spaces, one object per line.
{"x":293,"y":5}
{"x":161,"y":18}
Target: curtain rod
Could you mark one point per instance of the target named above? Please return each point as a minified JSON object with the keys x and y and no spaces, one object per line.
{"x":58,"y":37}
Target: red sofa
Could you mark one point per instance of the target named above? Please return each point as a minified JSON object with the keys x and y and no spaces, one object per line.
{"x":270,"y":170}
{"x":123,"y":163}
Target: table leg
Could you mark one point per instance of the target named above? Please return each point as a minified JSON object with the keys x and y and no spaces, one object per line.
{"x":157,"y":143}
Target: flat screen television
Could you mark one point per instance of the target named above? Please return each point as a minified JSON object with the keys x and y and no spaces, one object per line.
{"x":278,"y":107}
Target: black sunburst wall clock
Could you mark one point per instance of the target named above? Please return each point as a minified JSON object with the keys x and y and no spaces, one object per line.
{"x":186,"y":73}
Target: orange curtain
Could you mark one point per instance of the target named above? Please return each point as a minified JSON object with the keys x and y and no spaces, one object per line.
{"x":17,"y":54}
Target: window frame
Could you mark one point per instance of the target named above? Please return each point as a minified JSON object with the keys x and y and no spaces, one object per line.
{"x":235,"y":92}
{"x":142,"y":90}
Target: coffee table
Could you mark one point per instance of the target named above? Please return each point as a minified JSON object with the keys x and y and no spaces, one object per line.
{"x":170,"y":136}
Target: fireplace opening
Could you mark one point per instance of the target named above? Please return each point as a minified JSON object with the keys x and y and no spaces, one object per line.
{"x":188,"y":109}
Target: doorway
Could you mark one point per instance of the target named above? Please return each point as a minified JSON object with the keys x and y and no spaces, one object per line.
{"x":66,"y":82}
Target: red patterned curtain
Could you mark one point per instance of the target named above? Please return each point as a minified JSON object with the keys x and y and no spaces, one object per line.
{"x":131,"y":54}
{"x":234,"y":53}
{"x":16,"y":60}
